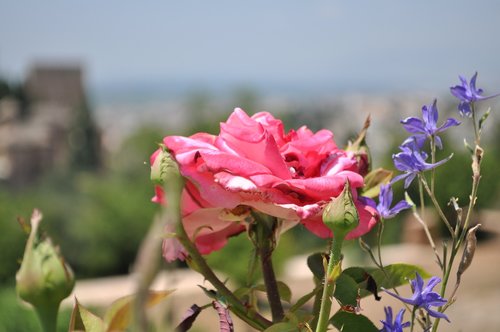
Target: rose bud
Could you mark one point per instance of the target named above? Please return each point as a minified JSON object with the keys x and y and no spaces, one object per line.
{"x":340,"y":215}
{"x":44,"y":279}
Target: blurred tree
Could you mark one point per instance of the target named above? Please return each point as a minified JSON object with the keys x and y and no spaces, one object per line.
{"x":84,"y":140}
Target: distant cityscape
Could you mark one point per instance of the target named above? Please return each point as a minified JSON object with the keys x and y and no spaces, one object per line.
{"x":53,"y":121}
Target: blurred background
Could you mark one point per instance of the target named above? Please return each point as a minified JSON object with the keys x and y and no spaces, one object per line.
{"x":88,"y":89}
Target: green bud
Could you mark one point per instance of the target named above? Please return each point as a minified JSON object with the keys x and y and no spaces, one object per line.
{"x":164,"y":167}
{"x":340,"y":215}
{"x":44,"y":279}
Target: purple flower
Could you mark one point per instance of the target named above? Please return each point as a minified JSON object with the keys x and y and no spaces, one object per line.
{"x":385,"y":201}
{"x":398,"y":324}
{"x":411,"y":161}
{"x":467,"y":93}
{"x":424,"y":298}
{"x":427,"y":126}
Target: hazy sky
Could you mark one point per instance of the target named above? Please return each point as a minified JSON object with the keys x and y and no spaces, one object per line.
{"x":381,"y":44}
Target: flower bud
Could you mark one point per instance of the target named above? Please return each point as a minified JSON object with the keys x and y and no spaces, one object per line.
{"x":340,"y":215}
{"x":44,"y":279}
{"x":469,"y":250}
{"x":163,"y":166}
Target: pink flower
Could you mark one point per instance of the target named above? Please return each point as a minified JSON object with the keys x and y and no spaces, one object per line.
{"x":253,"y":164}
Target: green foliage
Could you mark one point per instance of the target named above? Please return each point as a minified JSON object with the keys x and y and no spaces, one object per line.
{"x":18,"y":317}
{"x":98,"y":219}
{"x":350,"y":322}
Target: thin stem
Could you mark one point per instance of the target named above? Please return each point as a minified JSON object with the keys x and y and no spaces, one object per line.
{"x":379,"y":245}
{"x":429,"y":237}
{"x":249,"y":315}
{"x":329,"y":286}
{"x":436,"y":205}
{"x":269,"y":276}
{"x":477,"y":135}
{"x":316,"y":308}
{"x":413,"y":318}
{"x":422,"y":202}
{"x":433,"y":161}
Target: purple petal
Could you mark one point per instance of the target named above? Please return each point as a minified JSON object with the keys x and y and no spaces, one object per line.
{"x":418,"y":284}
{"x":413,"y":125}
{"x":409,"y":180}
{"x":436,"y":314}
{"x":399,"y":177}
{"x":400,"y":206}
{"x":447,"y":124}
{"x":459,"y":92}
{"x":405,"y":300}
{"x":465,"y":109}
{"x":431,"y":115}
{"x":367,"y":201}
{"x":432,"y":283}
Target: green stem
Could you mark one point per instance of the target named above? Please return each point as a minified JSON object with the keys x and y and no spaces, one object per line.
{"x":316,"y":308}
{"x":413,"y":318}
{"x":329,"y":286}
{"x":457,"y":242}
{"x":48,"y":316}
{"x":433,"y":161}
{"x":477,"y":135}
{"x":436,"y":205}
{"x":272,"y":292}
{"x":248,"y":315}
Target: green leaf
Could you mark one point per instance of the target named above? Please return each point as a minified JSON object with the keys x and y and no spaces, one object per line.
{"x":282,"y":327}
{"x":398,"y":274}
{"x":346,"y":290}
{"x":83,"y":320}
{"x":283,"y":289}
{"x":304,"y":299}
{"x":350,"y":322}
{"x":374,"y":180}
{"x":299,"y":318}
{"x":119,"y":314}
{"x":316,"y":265}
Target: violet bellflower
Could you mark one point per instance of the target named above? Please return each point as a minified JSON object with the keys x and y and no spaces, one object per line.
{"x":427,"y":126}
{"x":467,"y":93}
{"x":385,"y":201}
{"x":424,"y":297}
{"x":397,"y":325}
{"x":411,"y":161}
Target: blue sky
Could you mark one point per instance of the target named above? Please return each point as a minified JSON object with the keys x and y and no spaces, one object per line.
{"x":384,"y":44}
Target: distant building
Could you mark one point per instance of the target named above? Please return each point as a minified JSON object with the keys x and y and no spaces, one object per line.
{"x":56,"y":130}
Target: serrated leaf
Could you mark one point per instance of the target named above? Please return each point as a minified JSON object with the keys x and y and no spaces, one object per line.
{"x":283,"y":289}
{"x":83,"y":320}
{"x":350,"y":322}
{"x":374,"y":180}
{"x":119,"y":314}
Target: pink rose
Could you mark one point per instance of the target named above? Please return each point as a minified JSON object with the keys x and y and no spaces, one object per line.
{"x":252,"y":163}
